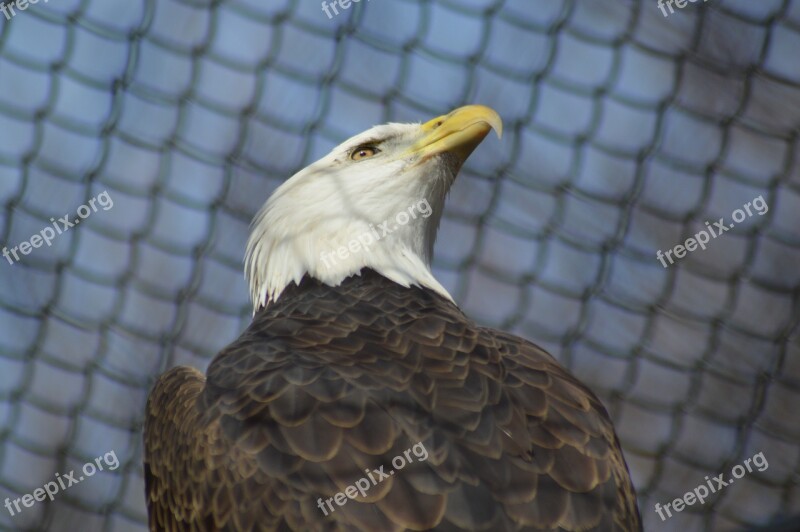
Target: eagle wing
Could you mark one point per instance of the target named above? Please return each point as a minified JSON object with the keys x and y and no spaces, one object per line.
{"x":321,"y":392}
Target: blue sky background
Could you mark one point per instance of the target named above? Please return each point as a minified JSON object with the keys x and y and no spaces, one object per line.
{"x":625,"y":132}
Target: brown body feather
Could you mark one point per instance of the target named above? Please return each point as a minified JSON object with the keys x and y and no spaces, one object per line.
{"x":328,"y":382}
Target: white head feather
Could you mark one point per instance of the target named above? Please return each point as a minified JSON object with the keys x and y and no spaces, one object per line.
{"x":356,"y":209}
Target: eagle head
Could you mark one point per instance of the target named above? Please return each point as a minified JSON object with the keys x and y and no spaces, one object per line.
{"x":374,"y":201}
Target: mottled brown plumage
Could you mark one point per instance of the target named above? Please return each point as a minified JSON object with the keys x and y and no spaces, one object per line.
{"x":330,"y":381}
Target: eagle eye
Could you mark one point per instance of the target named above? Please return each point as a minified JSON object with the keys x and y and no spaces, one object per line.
{"x":364,"y":152}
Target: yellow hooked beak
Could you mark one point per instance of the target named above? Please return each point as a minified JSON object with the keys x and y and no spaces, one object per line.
{"x":458,"y":132}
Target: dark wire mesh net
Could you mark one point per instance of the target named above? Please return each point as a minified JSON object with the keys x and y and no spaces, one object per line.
{"x":626,"y":130}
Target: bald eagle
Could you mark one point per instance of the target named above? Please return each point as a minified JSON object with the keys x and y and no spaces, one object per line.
{"x":361,"y":397}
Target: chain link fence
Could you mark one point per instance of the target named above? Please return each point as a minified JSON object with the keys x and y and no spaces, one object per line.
{"x":629,"y":126}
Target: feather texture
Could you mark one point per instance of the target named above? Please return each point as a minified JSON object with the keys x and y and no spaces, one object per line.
{"x":328,"y":382}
